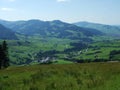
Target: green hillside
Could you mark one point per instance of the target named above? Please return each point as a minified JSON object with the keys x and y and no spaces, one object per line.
{"x":6,"y":33}
{"x":58,"y":42}
{"x":54,"y":28}
{"x":93,"y":76}
{"x":32,"y":50}
{"x":108,"y":29}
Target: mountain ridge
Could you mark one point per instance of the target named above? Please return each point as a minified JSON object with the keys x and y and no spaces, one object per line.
{"x":108,"y":29}
{"x":55,"y":28}
{"x":6,"y":33}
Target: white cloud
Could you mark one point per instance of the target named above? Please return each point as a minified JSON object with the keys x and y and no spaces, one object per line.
{"x":62,"y":0}
{"x":7,"y":9}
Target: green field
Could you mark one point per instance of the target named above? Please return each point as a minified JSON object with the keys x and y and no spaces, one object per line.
{"x":22,"y":51}
{"x":25,"y":50}
{"x":102,"y":49}
{"x":89,"y":76}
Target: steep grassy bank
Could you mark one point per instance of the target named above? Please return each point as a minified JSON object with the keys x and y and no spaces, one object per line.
{"x":90,"y":76}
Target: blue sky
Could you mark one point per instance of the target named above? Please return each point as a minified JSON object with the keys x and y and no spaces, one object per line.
{"x":100,"y":11}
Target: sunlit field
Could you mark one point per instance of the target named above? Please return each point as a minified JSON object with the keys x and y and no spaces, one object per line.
{"x":87,"y":76}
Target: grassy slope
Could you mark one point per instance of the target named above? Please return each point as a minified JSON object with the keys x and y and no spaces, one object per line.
{"x":104,"y":49}
{"x":25,"y":50}
{"x":92,"y":76}
{"x":36,"y":44}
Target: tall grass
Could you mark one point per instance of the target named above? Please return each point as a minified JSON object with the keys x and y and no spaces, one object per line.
{"x":92,"y":76}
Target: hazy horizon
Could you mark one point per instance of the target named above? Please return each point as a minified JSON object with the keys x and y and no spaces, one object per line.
{"x":60,"y":20}
{"x":103,"y":11}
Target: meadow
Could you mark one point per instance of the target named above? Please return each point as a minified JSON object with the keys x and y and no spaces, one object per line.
{"x":25,"y":50}
{"x":87,"y":76}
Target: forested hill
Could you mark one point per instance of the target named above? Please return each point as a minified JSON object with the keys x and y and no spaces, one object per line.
{"x":6,"y":33}
{"x":108,"y":29}
{"x":54,"y":28}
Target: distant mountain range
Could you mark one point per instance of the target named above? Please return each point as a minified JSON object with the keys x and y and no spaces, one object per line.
{"x":6,"y":33}
{"x":107,"y":29}
{"x":117,"y":26}
{"x":54,"y":28}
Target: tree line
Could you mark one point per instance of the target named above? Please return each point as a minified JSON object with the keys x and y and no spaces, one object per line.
{"x":4,"y":57}
{"x":113,"y":54}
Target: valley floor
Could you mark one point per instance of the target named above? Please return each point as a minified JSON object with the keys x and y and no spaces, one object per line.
{"x":86,"y":76}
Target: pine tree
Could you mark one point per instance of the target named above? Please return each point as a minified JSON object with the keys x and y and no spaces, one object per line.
{"x":4,"y":58}
{"x":5,"y":55}
{"x":1,"y":56}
